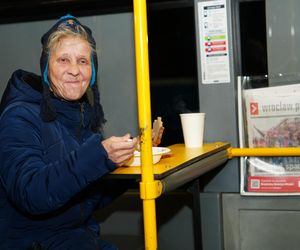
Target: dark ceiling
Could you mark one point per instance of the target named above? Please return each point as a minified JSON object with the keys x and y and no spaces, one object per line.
{"x":26,"y":10}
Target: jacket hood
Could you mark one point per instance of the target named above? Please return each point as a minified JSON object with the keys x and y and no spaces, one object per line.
{"x":26,"y":87}
{"x":22,"y":87}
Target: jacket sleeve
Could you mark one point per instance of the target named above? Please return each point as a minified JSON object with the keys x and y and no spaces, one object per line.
{"x":33,"y":185}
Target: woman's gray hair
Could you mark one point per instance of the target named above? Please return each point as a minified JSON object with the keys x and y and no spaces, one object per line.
{"x":63,"y":32}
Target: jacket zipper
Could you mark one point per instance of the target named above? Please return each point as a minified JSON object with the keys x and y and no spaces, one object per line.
{"x":81,"y":124}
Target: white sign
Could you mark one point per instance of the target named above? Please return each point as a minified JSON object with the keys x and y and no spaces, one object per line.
{"x":213,"y":40}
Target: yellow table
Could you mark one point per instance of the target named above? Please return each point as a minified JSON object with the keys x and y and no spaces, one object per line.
{"x":181,"y":158}
{"x":183,"y":165}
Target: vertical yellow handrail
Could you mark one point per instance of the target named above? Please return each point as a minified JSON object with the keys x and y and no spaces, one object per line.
{"x":149,"y":189}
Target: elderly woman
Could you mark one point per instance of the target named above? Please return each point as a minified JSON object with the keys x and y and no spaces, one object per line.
{"x":52,"y":153}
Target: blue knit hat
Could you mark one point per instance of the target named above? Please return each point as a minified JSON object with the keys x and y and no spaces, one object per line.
{"x":48,"y":112}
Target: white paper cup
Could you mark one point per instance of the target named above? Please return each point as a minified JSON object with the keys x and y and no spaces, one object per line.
{"x":193,"y":129}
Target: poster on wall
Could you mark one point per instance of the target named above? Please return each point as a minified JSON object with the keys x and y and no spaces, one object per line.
{"x":213,"y":38}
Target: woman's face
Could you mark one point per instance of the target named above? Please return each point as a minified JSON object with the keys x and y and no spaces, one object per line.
{"x":70,"y":68}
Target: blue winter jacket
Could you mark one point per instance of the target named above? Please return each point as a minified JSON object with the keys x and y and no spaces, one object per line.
{"x":50,"y":172}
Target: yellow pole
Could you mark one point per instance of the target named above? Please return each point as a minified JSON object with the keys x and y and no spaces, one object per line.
{"x":149,"y":188}
{"x":233,"y":152}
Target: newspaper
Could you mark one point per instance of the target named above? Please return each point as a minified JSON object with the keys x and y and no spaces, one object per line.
{"x":273,"y":120}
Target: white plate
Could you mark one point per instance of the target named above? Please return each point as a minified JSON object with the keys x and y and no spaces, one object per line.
{"x":157,"y":153}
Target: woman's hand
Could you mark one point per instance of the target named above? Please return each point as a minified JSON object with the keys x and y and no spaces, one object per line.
{"x":120,"y":149}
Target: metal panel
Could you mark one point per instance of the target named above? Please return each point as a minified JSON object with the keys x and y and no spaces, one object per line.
{"x":261,"y":223}
{"x":211,"y":219}
{"x":283,"y":37}
{"x":218,"y":101}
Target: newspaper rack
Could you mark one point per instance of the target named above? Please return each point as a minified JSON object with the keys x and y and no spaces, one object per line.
{"x":269,"y":117}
